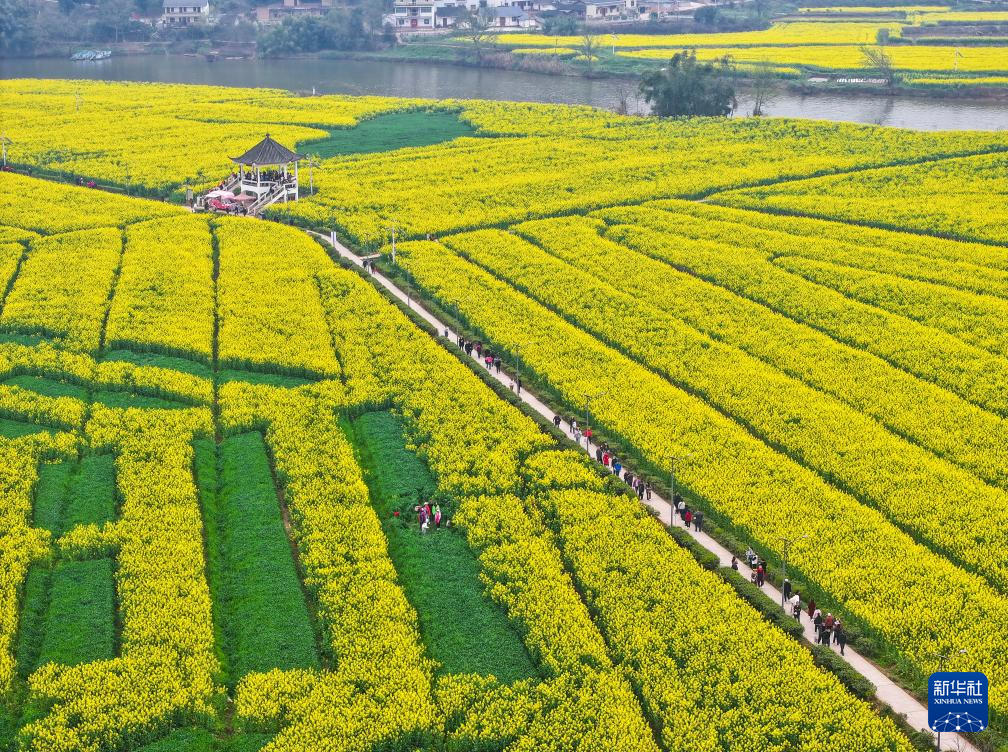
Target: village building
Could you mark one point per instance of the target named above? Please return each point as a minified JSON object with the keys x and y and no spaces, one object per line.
{"x":611,"y":10}
{"x":513,"y":17}
{"x":185,"y":12}
{"x":412,"y":16}
{"x":274,"y":13}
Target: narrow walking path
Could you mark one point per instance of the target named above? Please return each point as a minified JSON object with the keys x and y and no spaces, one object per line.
{"x":886,"y":690}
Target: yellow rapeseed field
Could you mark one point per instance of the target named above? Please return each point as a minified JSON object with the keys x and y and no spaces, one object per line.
{"x":822,"y":338}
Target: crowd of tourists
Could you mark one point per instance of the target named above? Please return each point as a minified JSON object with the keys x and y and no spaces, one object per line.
{"x":428,"y":515}
{"x":484,"y":355}
{"x":828,"y":629}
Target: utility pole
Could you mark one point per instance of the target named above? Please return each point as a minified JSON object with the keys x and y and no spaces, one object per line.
{"x":4,"y":141}
{"x":788,"y":542}
{"x":672,"y":482}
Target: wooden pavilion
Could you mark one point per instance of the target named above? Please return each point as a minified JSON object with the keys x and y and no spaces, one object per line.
{"x":265,"y":171}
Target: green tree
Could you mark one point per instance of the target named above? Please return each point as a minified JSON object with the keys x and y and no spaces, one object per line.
{"x":475,"y":26}
{"x":687,"y":88}
{"x":706,"y":15}
{"x":589,"y":49}
{"x":337,"y":30}
{"x":372,"y":12}
{"x":114,"y":15}
{"x":878,"y":61}
{"x":560,"y":26}
{"x":762,"y":85}
{"x":17,"y":30}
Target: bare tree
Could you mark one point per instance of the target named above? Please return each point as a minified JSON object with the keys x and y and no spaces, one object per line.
{"x":623,"y":101}
{"x":878,"y":60}
{"x":589,"y":48}
{"x":763,"y":86}
{"x":475,"y":26}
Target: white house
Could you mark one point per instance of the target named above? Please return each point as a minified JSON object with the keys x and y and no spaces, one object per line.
{"x":275,"y":13}
{"x":513,"y":17}
{"x":608,"y":10}
{"x":446,"y":16}
{"x":413,"y":15}
{"x":184,"y":12}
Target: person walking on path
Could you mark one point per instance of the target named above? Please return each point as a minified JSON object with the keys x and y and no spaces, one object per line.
{"x":598,"y":455}
{"x":826,"y":636}
{"x":616,"y":467}
{"x":647,"y":490}
{"x":437,"y":516}
{"x":518,"y":385}
{"x":688,"y":518}
{"x":605,"y":459}
{"x":796,"y":606}
{"x":839,"y":636}
{"x":698,"y":521}
{"x":734,"y":563}
{"x":556,"y":421}
{"x":786,"y":590}
{"x":497,"y":363}
{"x":811,"y":608}
{"x":760,"y":575}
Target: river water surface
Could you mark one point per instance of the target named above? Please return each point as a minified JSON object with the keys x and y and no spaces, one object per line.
{"x":449,"y":81}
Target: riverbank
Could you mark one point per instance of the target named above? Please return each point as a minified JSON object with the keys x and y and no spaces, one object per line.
{"x":373,"y":74}
{"x":446,"y":51}
{"x":449,"y":51}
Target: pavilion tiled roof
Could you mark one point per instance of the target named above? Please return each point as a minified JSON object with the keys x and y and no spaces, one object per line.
{"x":268,"y":152}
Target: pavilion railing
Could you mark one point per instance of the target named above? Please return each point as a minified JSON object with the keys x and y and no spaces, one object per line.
{"x":267,"y":199}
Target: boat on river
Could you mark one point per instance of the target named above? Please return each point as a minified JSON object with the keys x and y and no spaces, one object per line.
{"x":90,"y":55}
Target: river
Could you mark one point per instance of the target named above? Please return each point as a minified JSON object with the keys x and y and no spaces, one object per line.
{"x":449,"y":81}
